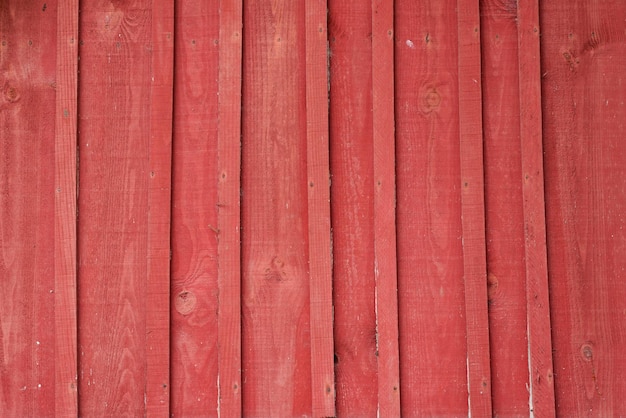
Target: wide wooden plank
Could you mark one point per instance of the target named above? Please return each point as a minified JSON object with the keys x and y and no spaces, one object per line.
{"x":194,"y":291}
{"x":115,"y":99}
{"x":65,"y":302}
{"x":504,"y":217}
{"x":430,"y":252}
{"x":541,"y":376}
{"x":157,"y":396}
{"x":276,"y":363}
{"x":352,"y":193}
{"x":318,"y":174}
{"x":583,"y":56}
{"x":28,"y":54}
{"x":473,"y":209}
{"x":385,"y":268}
{"x":229,"y":210}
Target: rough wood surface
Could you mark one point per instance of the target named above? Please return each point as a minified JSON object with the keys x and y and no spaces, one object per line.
{"x":276,"y":360}
{"x":65,"y":306}
{"x":583,"y":88}
{"x":194,"y":297}
{"x":318,"y":175}
{"x":28,"y":54}
{"x":430,"y":251}
{"x":352,"y":193}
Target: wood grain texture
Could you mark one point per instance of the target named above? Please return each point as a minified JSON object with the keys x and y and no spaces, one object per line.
{"x":385,"y":268}
{"x":541,"y":374}
{"x":65,"y":302}
{"x":194,"y":297}
{"x":473,"y":209}
{"x":115,"y":114}
{"x":504,"y":217}
{"x":157,"y":395}
{"x":583,"y":87}
{"x":229,"y":210}
{"x":276,"y":359}
{"x":318,"y":175}
{"x":28,"y":53}
{"x":352,"y":209}
{"x":432,"y":324}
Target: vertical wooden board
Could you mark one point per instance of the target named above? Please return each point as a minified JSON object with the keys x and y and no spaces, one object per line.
{"x":430,"y":254}
{"x":65,"y":304}
{"x":275,"y":290}
{"x":473,"y":209}
{"x":504,"y":209}
{"x":157,"y":395}
{"x":352,"y":194}
{"x":28,"y":41}
{"x":385,"y":263}
{"x":114,"y":151}
{"x":194,"y":211}
{"x":318,"y":175}
{"x":229,"y":209}
{"x":584,"y":90}
{"x":541,"y":376}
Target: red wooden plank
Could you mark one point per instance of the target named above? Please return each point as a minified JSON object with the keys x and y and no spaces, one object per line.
{"x":583,"y":60}
{"x":429,"y":245}
{"x":473,"y":209}
{"x":194,"y":211}
{"x":318,"y":173}
{"x":65,"y":303}
{"x":352,"y":208}
{"x":114,"y":228}
{"x":541,"y":385}
{"x":275,"y":288}
{"x":229,"y":212}
{"x":28,"y":52}
{"x":504,"y":209}
{"x":385,"y":209}
{"x":157,"y":396}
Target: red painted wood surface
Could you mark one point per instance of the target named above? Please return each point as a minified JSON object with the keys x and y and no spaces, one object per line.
{"x":583,"y":60}
{"x":28,"y":55}
{"x":194,"y":293}
{"x":433,"y":352}
{"x":473,"y":209}
{"x":124,"y":135}
{"x":276,"y":358}
{"x":65,"y":309}
{"x":504,"y":210}
{"x":435,"y":263}
{"x":352,"y":193}
{"x":385,"y":268}
{"x":229,"y":210}
{"x":318,"y":175}
{"x":541,"y":376}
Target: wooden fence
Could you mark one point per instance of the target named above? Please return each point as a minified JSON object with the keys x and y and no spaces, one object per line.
{"x":319,"y":208}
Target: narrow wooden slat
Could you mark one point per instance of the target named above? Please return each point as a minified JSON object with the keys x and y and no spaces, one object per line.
{"x":428,"y":214}
{"x":65,"y":302}
{"x":318,"y":173}
{"x":229,"y":223}
{"x":194,"y":335}
{"x":352,"y":209}
{"x":541,"y":384}
{"x":472,"y":209}
{"x":28,"y":54}
{"x":385,"y":208}
{"x":504,"y":215}
{"x":157,"y":347}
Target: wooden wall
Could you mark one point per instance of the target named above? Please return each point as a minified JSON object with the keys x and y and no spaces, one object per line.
{"x":320,"y":208}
